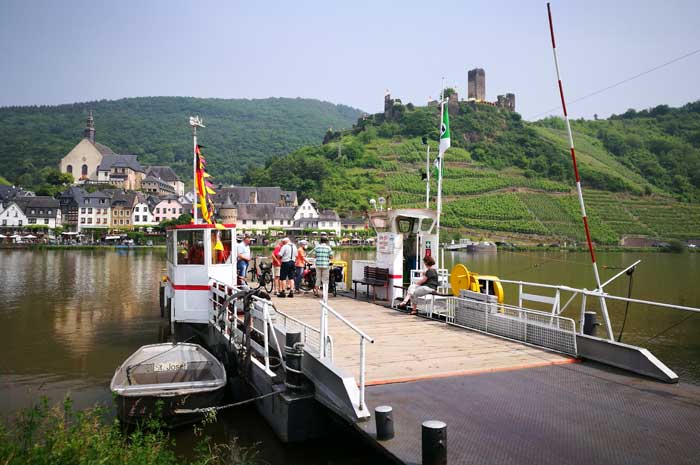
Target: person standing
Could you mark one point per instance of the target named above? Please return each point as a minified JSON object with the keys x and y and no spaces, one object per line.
{"x":287,"y":254}
{"x":276,"y":265}
{"x":243,"y":256}
{"x":299,"y":263}
{"x":323,"y":254}
{"x":427,"y":284}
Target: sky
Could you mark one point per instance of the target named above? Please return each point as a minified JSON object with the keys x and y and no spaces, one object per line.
{"x":54,"y":52}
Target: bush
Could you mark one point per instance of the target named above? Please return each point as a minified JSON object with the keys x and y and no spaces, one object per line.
{"x":60,"y":435}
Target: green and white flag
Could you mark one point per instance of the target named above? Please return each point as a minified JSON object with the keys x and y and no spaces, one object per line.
{"x":444,"y":131}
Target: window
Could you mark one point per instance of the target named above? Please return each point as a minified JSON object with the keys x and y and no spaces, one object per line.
{"x":158,"y":219}
{"x":190,"y":247}
{"x":97,"y":221}
{"x":264,"y":221}
{"x":245,"y":221}
{"x":157,"y":210}
{"x":89,"y":220}
{"x":220,"y":246}
{"x":181,"y":211}
{"x":84,"y":170}
{"x":127,"y":221}
{"x":20,"y":222}
{"x":69,"y":169}
{"x":41,"y":212}
{"x":33,"y":212}
{"x":48,"y":212}
{"x":4,"y":222}
{"x":89,"y":211}
{"x":82,"y":220}
{"x":31,"y":221}
{"x":85,"y":201}
{"x":169,"y":248}
{"x":82,"y":210}
{"x":46,"y":221}
{"x":255,"y":221}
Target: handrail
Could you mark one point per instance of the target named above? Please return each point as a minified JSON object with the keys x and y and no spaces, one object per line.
{"x":325,"y":308}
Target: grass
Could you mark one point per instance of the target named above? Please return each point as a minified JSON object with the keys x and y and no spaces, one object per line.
{"x":59,"y":435}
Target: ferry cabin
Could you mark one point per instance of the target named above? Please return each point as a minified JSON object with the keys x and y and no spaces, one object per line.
{"x":197,"y":254}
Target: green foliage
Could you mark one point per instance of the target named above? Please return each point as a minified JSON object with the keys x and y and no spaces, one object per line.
{"x":239,"y":133}
{"x":45,"y":435}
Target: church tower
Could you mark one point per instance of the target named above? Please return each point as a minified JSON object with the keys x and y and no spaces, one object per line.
{"x":89,"y":132}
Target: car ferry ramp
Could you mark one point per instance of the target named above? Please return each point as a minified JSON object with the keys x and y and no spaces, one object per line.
{"x":504,"y":402}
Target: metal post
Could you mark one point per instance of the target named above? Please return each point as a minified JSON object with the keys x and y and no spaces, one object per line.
{"x":579,"y":192}
{"x":194,"y":173}
{"x":590,"y":322}
{"x":434,"y":442}
{"x":322,"y":342}
{"x":427,"y":178}
{"x":384,"y":418}
{"x":362,"y":373}
{"x":266,"y":338}
{"x":583,"y":312}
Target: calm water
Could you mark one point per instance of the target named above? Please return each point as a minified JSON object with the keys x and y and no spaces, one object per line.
{"x":70,"y":317}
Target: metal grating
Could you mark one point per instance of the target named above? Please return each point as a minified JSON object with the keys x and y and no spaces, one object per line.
{"x":483,"y":313}
{"x":310,"y":336}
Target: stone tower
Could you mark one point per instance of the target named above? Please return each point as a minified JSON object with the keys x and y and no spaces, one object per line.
{"x":228,"y":213}
{"x":476,"y":85}
{"x":89,"y":132}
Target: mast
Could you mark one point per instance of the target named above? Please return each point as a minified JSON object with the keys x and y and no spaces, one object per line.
{"x":195,"y":122}
{"x":438,"y":263}
{"x":579,"y":192}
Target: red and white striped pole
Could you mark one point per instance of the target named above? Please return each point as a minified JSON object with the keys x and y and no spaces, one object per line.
{"x":603,"y":306}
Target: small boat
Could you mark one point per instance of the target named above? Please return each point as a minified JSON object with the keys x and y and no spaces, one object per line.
{"x":157,"y":379}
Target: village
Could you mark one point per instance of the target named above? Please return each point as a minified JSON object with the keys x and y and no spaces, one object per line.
{"x":114,"y":196}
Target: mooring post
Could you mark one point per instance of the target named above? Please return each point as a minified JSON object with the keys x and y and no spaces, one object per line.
{"x":434,"y":442}
{"x":590,"y":323}
{"x":384,"y":418}
{"x":292,"y":354}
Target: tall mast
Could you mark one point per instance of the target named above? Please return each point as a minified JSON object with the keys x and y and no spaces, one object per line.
{"x":579,"y":192}
{"x":195,"y":122}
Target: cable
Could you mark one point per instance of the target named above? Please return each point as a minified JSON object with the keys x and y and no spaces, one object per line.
{"x":671,"y":327}
{"x":629,"y":273}
{"x":612,"y":86}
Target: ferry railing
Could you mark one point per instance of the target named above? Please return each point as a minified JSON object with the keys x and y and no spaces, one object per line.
{"x":557,"y":308}
{"x":325,"y":310}
{"x":484,"y":314}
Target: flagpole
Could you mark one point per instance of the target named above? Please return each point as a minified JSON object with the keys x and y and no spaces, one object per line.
{"x":439,"y":192}
{"x":579,"y":192}
{"x":195,"y":122}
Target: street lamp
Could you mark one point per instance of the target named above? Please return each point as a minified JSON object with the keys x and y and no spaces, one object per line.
{"x":373,"y":203}
{"x":382,"y":201}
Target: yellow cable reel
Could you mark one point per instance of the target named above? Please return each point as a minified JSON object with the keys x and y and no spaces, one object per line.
{"x":462,"y":278}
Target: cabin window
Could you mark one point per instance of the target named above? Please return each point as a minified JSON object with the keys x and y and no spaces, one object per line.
{"x":190,"y":247}
{"x":220,"y":246}
{"x":405,"y":225}
{"x":170,"y":248}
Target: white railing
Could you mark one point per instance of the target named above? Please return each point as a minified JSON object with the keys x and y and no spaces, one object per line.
{"x":324,"y":354}
{"x":482,"y":313}
{"x":557,"y":308}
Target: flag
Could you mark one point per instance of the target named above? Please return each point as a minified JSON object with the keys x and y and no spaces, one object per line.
{"x":436,"y":165}
{"x":204,"y":187}
{"x":444,"y":131}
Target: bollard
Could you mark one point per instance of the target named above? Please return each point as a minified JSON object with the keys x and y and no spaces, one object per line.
{"x":434,"y":442}
{"x":384,"y":417}
{"x":590,"y":323}
{"x":293,"y":351}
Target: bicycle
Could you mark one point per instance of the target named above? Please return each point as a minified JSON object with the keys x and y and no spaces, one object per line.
{"x":262,"y":274}
{"x":308,"y":279}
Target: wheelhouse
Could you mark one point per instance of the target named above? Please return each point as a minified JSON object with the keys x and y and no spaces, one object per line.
{"x":197,"y":254}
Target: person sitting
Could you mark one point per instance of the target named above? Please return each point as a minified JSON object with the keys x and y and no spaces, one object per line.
{"x":427,"y":284}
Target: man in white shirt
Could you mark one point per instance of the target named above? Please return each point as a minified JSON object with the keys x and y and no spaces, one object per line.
{"x":243,"y":256}
{"x":287,"y":255}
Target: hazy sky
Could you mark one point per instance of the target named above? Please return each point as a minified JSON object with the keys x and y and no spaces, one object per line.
{"x":348,"y":52}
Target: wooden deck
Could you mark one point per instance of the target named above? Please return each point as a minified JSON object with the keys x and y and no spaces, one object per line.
{"x":410,"y":348}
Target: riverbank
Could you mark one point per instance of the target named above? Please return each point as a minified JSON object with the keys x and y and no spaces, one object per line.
{"x":77,"y":247}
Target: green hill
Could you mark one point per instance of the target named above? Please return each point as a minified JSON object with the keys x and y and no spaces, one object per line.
{"x":512,"y":179}
{"x":239,"y":132}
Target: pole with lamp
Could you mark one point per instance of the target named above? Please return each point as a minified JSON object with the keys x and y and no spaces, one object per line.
{"x":195,"y":122}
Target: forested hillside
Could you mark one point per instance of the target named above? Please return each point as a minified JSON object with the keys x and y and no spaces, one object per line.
{"x":238,"y":132}
{"x":509,"y":178}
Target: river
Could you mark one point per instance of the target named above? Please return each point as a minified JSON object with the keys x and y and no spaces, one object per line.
{"x":70,"y":317}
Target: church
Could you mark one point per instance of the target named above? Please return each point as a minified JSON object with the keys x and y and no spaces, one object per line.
{"x":93,"y":163}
